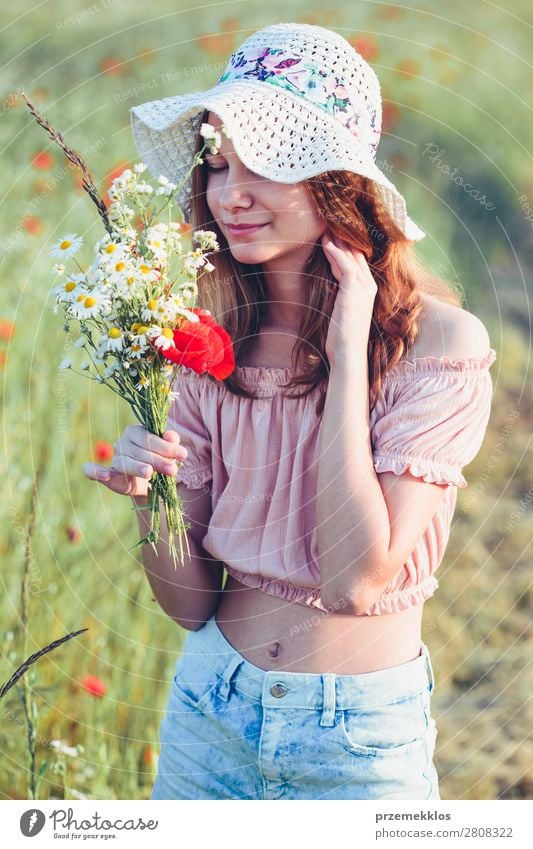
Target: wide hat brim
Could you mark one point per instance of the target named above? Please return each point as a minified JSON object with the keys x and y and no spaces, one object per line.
{"x":275,"y":133}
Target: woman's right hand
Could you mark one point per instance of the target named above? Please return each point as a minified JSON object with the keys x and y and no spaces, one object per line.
{"x":138,"y":453}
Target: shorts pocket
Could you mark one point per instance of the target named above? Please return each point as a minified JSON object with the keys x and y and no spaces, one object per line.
{"x":388,"y":730}
{"x":194,"y":682}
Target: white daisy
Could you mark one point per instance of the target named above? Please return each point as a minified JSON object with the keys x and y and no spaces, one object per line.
{"x":69,"y":289}
{"x":165,"y":339}
{"x":140,"y":167}
{"x":212,"y":138}
{"x":143,"y":382}
{"x":66,"y":363}
{"x":89,"y":304}
{"x":206,"y":239}
{"x":67,"y":246}
{"x":115,"y":339}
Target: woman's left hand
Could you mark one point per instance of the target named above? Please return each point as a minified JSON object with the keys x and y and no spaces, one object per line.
{"x":349,"y":326}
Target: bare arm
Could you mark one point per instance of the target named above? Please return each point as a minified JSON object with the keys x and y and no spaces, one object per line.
{"x":189,"y":594}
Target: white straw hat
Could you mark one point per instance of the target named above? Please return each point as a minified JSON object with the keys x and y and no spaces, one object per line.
{"x":296,"y":99}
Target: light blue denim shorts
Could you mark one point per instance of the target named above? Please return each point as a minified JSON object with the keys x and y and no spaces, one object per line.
{"x":235,"y":731}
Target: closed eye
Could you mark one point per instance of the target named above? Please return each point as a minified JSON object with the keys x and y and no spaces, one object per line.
{"x":212,"y":168}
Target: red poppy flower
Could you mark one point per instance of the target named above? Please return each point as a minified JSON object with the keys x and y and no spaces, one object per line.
{"x":148,"y":755}
{"x":366,"y":47}
{"x":111,"y":65}
{"x":95,"y":686}
{"x":32,"y":224}
{"x":3,"y":359}
{"x":73,"y":534}
{"x":7,"y":329}
{"x":103,"y":452}
{"x":202,"y":346}
{"x":43,"y":160}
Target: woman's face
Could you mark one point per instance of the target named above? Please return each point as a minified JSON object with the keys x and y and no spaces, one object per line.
{"x":236,"y":195}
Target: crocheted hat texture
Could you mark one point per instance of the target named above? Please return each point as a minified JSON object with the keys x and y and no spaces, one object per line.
{"x":296,"y":100}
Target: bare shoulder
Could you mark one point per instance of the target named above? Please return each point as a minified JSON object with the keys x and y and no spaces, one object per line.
{"x":449,"y":330}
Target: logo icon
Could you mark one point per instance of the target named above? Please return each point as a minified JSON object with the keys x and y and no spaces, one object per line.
{"x":32,"y":822}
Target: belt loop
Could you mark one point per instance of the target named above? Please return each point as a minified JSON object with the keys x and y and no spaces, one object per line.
{"x":227,"y":675}
{"x":429,"y":668}
{"x":328,"y":699}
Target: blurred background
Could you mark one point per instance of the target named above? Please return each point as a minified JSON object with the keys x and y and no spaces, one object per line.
{"x":456,"y":90}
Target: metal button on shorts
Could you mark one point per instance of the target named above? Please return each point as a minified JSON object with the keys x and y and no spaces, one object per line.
{"x":279,"y":689}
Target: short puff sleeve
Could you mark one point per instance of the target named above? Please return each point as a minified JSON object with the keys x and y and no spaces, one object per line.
{"x":187,"y":416}
{"x":435,"y":417}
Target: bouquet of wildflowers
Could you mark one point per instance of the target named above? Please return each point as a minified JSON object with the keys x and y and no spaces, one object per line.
{"x":133,"y":308}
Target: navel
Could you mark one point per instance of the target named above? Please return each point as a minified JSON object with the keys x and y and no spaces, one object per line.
{"x":274,"y":649}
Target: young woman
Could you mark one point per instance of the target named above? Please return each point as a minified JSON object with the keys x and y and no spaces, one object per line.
{"x":322,"y":474}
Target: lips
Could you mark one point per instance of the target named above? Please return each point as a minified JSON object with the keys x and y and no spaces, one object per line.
{"x":249,"y":228}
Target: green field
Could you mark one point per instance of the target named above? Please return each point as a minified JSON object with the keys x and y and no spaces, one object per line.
{"x":457,"y":95}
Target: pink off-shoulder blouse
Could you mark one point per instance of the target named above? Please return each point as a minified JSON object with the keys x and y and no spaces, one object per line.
{"x":261,"y":457}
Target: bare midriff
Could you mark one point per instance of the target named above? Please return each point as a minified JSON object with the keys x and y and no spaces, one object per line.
{"x":275,"y":634}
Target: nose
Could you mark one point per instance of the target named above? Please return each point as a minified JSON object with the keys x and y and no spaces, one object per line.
{"x":235,"y":192}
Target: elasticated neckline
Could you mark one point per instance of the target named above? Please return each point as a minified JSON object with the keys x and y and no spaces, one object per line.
{"x":420,"y":365}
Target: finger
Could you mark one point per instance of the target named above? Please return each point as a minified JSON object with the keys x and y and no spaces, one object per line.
{"x":114,"y":480}
{"x":95,"y":472}
{"x":164,"y":447}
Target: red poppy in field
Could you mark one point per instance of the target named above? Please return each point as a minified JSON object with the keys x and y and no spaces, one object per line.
{"x":389,"y":117}
{"x":217,"y":44}
{"x":73,"y":534}
{"x":366,"y":47}
{"x":203,"y":346}
{"x":148,"y":755}
{"x":3,"y":359}
{"x":7,"y":329}
{"x":95,"y":686}
{"x":42,"y":160}
{"x":102,"y":452}
{"x":408,"y":68}
{"x":32,"y":225}
{"x":111,"y":65}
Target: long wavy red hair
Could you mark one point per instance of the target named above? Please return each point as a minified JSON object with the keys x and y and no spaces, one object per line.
{"x":235,"y":292}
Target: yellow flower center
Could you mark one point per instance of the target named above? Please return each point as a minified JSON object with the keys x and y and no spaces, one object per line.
{"x":110,"y":249}
{"x":120,"y":266}
{"x":135,"y":326}
{"x":145,"y":269}
{"x":70,"y":286}
{"x":142,"y":329}
{"x":152,"y":304}
{"x":114,"y":333}
{"x":168,"y":332}
{"x":64,"y":245}
{"x":165,"y":388}
{"x":130,"y":281}
{"x":90,"y":302}
{"x":80,"y":297}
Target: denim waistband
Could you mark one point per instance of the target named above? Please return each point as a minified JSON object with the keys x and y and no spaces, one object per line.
{"x":327,"y":690}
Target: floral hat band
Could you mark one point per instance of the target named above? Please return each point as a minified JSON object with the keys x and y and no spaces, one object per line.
{"x":294,"y":73}
{"x":296,"y":100}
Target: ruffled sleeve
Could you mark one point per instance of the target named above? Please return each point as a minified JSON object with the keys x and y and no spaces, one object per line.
{"x":187,"y":415}
{"x":435,"y":417}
